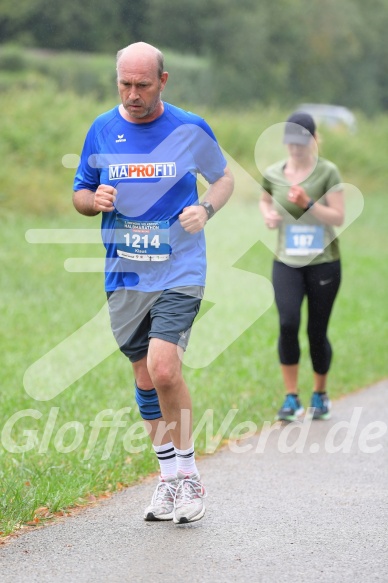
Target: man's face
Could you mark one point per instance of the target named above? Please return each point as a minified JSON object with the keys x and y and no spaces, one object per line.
{"x":140,"y":87}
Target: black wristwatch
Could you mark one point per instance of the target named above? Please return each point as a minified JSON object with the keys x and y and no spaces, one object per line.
{"x":309,"y":205}
{"x":208,"y":208}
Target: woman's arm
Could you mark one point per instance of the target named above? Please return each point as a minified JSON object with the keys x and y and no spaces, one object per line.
{"x":271,"y":216}
{"x":333,"y":213}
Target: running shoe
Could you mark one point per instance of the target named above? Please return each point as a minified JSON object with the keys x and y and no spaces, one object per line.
{"x":321,"y":404}
{"x":291,"y":409}
{"x":189,"y":505}
{"x":162,"y":503}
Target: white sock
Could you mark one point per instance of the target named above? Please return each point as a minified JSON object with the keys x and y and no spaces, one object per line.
{"x":185,"y":461}
{"x":167,"y":459}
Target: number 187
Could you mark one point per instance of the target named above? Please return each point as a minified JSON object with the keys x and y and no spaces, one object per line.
{"x":303,"y":240}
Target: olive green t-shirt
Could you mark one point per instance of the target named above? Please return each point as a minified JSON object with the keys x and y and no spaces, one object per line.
{"x":303,"y":239}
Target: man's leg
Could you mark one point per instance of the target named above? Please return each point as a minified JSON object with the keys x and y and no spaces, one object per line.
{"x":156,"y":428}
{"x":162,"y":394}
{"x":164,"y":364}
{"x":162,"y":503}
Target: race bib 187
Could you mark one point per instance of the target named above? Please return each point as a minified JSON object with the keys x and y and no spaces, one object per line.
{"x":304,"y":239}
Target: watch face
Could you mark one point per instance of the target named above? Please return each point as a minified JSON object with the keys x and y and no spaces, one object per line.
{"x":209,"y":209}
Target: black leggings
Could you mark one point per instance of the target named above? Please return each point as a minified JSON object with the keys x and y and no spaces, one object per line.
{"x":320,"y":283}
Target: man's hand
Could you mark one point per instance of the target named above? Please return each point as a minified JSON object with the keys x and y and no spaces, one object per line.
{"x":104,"y":198}
{"x":91,"y":203}
{"x":193,"y":218}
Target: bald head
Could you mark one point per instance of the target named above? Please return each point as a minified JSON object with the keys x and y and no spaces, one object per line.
{"x":140,"y":81}
{"x":142,"y":53}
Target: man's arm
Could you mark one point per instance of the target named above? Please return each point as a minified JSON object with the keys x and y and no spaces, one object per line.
{"x":194,"y":218}
{"x":91,"y":203}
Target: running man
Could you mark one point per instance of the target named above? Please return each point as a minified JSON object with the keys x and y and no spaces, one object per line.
{"x":138,"y":168}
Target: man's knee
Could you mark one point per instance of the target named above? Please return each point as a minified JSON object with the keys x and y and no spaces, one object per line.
{"x":142,"y":375}
{"x":164,"y":376}
{"x":164,"y":364}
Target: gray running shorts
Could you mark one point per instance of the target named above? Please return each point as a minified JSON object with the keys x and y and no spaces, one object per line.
{"x":138,"y":316}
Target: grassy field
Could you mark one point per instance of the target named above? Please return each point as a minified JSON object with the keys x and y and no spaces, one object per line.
{"x":51,"y":455}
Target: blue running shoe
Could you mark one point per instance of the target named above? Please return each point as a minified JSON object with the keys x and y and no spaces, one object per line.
{"x":321,"y":404}
{"x":291,"y":409}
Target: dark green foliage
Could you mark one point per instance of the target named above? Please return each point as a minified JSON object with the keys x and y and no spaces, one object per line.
{"x":284,"y":52}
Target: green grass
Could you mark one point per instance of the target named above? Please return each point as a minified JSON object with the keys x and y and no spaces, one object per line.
{"x":43,"y":304}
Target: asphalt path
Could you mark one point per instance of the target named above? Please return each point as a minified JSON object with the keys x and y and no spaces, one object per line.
{"x":304,"y":502}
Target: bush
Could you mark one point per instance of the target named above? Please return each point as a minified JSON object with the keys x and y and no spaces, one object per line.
{"x":94,"y":74}
{"x":12,"y":58}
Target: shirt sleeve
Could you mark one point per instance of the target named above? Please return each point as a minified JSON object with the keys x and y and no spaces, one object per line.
{"x":333,"y":180}
{"x":266,"y":184}
{"x":87,"y":175}
{"x":208,"y":157}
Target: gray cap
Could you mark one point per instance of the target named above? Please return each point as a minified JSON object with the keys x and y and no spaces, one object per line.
{"x":300,"y":128}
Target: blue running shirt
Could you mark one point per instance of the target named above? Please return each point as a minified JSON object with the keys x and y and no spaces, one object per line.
{"x":154,"y":168}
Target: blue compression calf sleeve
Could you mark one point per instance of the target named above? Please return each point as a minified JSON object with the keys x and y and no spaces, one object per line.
{"x":148,"y":403}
